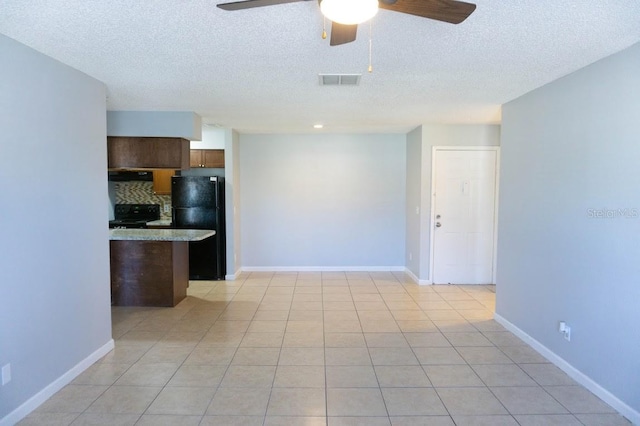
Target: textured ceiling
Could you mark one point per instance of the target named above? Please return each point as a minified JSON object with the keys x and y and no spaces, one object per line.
{"x":257,"y":70}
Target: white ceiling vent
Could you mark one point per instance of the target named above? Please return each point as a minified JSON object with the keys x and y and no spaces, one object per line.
{"x":339,"y":79}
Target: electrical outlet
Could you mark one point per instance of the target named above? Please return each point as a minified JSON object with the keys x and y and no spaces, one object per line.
{"x":167,"y":208}
{"x":6,"y":374}
{"x":565,"y":330}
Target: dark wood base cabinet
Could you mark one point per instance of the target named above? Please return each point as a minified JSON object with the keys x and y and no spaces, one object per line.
{"x":149,"y":273}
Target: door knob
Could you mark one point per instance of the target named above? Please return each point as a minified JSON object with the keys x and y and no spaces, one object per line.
{"x":438,"y":224}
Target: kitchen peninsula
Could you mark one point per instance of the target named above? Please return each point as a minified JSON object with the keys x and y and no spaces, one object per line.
{"x":150,"y":267}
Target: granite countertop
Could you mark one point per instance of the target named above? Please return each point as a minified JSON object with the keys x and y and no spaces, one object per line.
{"x":160,"y":234}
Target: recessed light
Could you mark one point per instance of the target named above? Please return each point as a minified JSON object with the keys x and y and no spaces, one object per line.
{"x":318,"y":126}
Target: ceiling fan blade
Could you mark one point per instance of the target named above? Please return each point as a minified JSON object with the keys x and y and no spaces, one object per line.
{"x":342,"y":34}
{"x":451,"y":11}
{"x":247,"y":4}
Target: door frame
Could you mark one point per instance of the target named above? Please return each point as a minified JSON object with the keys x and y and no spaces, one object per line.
{"x":432,"y":220}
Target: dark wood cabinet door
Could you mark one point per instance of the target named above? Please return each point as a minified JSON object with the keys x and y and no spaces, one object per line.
{"x":214,"y":158}
{"x":195,"y":158}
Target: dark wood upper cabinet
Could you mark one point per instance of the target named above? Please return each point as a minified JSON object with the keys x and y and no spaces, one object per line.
{"x":147,"y":153}
{"x":211,"y":158}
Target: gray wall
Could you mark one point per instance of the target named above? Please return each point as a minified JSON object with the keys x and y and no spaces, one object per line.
{"x":54,"y":269}
{"x":323,"y":200}
{"x":414,"y":197}
{"x":570,"y":150}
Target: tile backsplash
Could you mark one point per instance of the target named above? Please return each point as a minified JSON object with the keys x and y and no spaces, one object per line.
{"x":141,"y":193}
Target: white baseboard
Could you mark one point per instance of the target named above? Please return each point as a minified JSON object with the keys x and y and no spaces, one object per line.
{"x":323,"y":268}
{"x":234,"y":276}
{"x":416,"y":279}
{"x":632,"y":415}
{"x":35,"y":401}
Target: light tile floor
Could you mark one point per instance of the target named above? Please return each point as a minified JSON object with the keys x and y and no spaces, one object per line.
{"x":322,"y":349}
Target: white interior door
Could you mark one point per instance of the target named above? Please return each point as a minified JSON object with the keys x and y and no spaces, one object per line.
{"x":464,"y":216}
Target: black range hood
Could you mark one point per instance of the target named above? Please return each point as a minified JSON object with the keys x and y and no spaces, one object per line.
{"x":131,"y":175}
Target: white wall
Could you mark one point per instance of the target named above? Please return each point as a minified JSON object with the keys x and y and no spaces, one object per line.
{"x":212,"y":138}
{"x":55,"y":315}
{"x":327,"y":201}
{"x":420,"y":143}
{"x":568,"y":147}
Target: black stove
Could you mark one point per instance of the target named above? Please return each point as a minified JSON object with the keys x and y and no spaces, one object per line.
{"x":134,"y":215}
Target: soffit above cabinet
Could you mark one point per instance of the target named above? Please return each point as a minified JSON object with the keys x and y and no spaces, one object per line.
{"x":171,"y":124}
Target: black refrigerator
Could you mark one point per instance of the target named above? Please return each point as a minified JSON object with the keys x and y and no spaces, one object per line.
{"x":198,"y":203}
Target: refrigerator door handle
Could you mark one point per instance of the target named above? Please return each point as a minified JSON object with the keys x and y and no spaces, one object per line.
{"x":217,"y":194}
{"x":214,"y":181}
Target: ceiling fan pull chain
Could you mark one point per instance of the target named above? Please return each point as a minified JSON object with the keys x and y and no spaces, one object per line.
{"x":370,"y":44}
{"x":324,"y":28}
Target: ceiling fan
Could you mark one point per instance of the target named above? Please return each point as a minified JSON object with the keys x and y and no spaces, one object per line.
{"x":344,"y":31}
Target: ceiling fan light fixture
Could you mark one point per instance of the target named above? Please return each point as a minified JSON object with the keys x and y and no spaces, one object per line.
{"x":349,"y":12}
